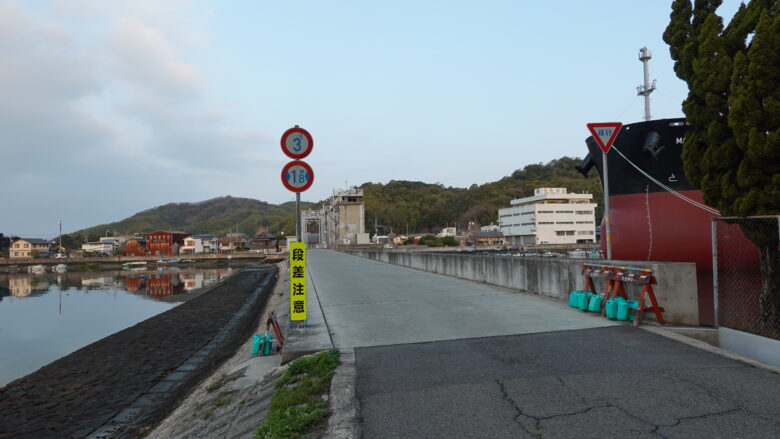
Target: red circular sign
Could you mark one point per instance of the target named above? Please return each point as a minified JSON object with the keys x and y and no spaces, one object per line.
{"x":297,"y":143}
{"x":297,"y":176}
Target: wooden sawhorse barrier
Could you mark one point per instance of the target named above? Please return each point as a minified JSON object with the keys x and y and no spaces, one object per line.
{"x":616,"y":277}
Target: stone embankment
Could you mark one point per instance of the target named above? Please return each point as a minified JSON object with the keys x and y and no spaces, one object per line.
{"x":124,"y":383}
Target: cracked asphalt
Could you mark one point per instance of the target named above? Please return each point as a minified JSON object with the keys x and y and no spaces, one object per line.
{"x":589,"y":383}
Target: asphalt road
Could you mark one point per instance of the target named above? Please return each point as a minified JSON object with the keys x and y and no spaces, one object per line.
{"x":590,"y":383}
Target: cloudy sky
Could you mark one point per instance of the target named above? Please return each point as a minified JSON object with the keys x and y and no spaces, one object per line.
{"x":112,"y":107}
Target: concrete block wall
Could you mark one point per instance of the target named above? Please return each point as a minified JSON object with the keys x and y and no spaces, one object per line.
{"x":553,"y":277}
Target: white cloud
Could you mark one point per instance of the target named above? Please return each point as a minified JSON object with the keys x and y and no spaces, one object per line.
{"x":97,"y":91}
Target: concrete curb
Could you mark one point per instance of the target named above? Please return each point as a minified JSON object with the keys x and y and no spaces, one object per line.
{"x":152,"y":406}
{"x":708,"y":347}
{"x":343,"y":422}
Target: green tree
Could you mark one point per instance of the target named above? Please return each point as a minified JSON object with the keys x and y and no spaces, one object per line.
{"x":733,"y":105}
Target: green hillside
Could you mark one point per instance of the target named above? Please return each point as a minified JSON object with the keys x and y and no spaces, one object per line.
{"x":397,"y":205}
{"x":423,"y":207}
{"x":216,"y":216}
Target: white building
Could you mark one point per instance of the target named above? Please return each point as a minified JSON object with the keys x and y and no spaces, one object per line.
{"x":199,"y":244}
{"x":550,"y":216}
{"x":490,"y":228}
{"x":104,"y":248}
{"x":447,"y":231}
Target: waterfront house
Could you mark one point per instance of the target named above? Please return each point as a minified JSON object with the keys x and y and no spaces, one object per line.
{"x":164,"y":242}
{"x":232,"y":242}
{"x":24,"y":248}
{"x":263,"y":243}
{"x":198,"y":244}
{"x":487,"y":238}
{"x":98,"y":248}
{"x":135,"y":246}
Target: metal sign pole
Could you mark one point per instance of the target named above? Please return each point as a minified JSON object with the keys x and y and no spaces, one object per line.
{"x":298,"y":216}
{"x":606,"y":205}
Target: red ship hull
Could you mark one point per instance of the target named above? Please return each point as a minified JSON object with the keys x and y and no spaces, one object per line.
{"x":658,"y":226}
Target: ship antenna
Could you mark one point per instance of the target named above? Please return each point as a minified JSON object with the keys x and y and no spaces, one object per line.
{"x":646,"y":88}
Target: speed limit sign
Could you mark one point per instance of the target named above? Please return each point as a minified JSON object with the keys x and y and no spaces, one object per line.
{"x":297,"y":143}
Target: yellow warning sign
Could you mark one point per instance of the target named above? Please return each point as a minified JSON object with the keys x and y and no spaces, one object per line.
{"x":297,"y":281}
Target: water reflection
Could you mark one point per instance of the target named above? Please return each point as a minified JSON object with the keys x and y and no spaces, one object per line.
{"x":48,"y":315}
{"x":153,"y":284}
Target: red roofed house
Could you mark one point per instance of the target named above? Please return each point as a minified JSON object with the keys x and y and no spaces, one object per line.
{"x":163,"y":242}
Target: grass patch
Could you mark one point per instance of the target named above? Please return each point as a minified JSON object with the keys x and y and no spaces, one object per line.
{"x":207,"y":415}
{"x":221,"y":381}
{"x":297,"y":406}
{"x":222,"y":401}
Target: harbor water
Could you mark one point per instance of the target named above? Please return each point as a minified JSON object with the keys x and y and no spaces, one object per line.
{"x":47,"y":315}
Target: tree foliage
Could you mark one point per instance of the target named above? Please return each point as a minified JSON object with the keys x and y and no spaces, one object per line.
{"x":733,"y":103}
{"x":421,"y":207}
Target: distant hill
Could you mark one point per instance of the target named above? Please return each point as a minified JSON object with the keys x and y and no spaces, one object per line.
{"x":217,"y":216}
{"x":423,"y":207}
{"x":400,"y":205}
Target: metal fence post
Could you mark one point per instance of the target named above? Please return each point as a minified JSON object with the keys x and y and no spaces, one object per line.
{"x":715,"y":271}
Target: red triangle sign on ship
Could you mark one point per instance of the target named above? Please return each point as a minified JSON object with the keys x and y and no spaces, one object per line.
{"x":605,"y":133}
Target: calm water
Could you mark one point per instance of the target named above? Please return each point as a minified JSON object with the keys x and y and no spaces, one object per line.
{"x":46,"y":316}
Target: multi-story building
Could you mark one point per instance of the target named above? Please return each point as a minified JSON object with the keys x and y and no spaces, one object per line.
{"x":550,"y":216}
{"x":135,"y":246}
{"x":344,"y":219}
{"x":24,"y":247}
{"x":199,"y":244}
{"x":163,"y":242}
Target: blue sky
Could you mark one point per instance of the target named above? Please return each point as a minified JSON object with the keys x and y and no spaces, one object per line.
{"x":111,"y":108}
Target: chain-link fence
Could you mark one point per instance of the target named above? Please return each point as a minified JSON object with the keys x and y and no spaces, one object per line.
{"x":747,"y":274}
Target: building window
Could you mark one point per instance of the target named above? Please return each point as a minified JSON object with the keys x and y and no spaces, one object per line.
{"x":527,"y":213}
{"x":545,"y":211}
{"x":584,"y":222}
{"x":527,"y":224}
{"x":564,"y":211}
{"x":584,"y":212}
{"x":26,"y":245}
{"x":546,"y":222}
{"x":564,"y":222}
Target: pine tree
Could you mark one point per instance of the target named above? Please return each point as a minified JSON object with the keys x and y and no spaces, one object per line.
{"x":733,"y":105}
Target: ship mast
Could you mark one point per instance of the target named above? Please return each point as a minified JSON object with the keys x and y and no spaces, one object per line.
{"x":646,"y":88}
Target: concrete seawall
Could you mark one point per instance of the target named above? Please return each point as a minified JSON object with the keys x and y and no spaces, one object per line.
{"x":553,"y":277}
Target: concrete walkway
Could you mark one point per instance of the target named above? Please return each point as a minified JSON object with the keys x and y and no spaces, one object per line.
{"x":367,"y":303}
{"x":439,"y":357}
